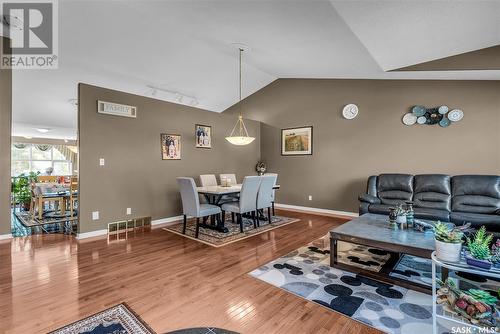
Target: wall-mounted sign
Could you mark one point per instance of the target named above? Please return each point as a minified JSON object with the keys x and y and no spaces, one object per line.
{"x":116,"y":109}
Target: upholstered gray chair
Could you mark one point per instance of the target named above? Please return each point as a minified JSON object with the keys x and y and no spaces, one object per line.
{"x":208,"y":180}
{"x":231,"y":178}
{"x":265,"y":195}
{"x":191,"y":203}
{"x":247,"y":202}
{"x":273,"y":195}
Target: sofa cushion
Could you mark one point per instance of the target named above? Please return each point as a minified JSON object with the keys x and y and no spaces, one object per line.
{"x":432,"y":191}
{"x":491,"y":222}
{"x":432,"y":214}
{"x":395,"y":188}
{"x":476,"y":194}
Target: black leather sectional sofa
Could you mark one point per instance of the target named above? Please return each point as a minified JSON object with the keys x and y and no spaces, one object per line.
{"x":459,"y":199}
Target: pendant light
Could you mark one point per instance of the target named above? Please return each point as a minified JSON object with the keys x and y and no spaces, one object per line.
{"x":239,"y":135}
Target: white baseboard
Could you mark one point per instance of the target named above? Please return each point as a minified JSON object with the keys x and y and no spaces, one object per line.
{"x":165,"y":221}
{"x":91,"y":234}
{"x":5,"y":236}
{"x":316,"y":210}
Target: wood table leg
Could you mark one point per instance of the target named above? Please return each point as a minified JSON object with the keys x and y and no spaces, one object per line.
{"x":40,"y":207}
{"x":62,"y":204}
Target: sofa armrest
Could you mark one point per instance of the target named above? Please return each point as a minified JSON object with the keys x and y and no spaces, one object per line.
{"x":369,"y":199}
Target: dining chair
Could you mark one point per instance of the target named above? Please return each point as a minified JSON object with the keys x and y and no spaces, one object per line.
{"x":273,"y":195}
{"x":191,"y":203}
{"x":208,"y":180}
{"x":231,"y":178}
{"x":265,"y":195}
{"x":73,"y":193}
{"x":47,"y":179}
{"x":247,"y":201}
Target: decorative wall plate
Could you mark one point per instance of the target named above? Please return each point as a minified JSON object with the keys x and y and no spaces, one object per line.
{"x":419,"y":110}
{"x":455,"y":115}
{"x":409,"y":119}
{"x":444,"y":122}
{"x":443,"y":110}
{"x":421,"y":120}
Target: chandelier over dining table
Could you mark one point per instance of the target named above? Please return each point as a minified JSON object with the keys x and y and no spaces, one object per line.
{"x":239,"y":134}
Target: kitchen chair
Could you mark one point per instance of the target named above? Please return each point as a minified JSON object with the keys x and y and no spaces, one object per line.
{"x":47,"y":179}
{"x":265,"y":195}
{"x":191,"y":203}
{"x":273,"y":195}
{"x":208,"y":180}
{"x":247,"y":201}
{"x":73,"y":193}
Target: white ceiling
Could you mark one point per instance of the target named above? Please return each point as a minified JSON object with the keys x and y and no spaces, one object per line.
{"x":185,"y":47}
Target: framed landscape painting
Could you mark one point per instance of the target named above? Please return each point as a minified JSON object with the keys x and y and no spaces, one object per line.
{"x":296,"y":141}
{"x":170,"y":147}
{"x":203,"y":135}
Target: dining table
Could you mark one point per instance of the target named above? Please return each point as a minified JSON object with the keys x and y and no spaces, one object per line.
{"x":214,"y":195}
{"x":52,"y":190}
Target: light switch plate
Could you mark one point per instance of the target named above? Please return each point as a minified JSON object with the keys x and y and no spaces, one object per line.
{"x":95,"y":215}
{"x":101,"y":162}
{"x":310,"y":197}
{"x":129,"y":211}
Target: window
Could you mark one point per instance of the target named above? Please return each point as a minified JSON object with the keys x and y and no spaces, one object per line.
{"x":38,"y":158}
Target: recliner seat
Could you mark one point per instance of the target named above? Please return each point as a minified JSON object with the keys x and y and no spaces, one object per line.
{"x":459,"y":199}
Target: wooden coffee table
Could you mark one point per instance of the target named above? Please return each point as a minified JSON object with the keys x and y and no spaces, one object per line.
{"x":373,"y":231}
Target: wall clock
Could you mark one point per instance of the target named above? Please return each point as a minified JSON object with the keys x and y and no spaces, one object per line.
{"x":350,"y":111}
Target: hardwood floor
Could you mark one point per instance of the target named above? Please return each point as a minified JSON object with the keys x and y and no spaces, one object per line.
{"x":47,"y":281}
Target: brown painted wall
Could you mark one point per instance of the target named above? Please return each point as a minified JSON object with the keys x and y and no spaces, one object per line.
{"x":5,"y":133}
{"x":134,"y":174}
{"x":346,"y":152}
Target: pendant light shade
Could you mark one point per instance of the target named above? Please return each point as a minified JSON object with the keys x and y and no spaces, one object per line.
{"x":242,"y":137}
{"x":239,"y":135}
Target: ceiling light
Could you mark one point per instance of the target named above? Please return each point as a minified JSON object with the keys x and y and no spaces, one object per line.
{"x":239,"y":135}
{"x":43,"y":130}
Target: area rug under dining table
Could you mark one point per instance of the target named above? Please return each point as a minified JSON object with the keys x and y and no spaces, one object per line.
{"x":217,"y":239}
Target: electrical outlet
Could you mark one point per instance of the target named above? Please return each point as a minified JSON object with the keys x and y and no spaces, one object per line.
{"x":129,"y":211}
{"x":101,"y":162}
{"x":95,"y":215}
{"x":310,"y":197}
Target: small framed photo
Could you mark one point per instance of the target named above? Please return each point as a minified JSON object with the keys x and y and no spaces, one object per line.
{"x":170,"y":147}
{"x":203,"y":134}
{"x":296,"y":141}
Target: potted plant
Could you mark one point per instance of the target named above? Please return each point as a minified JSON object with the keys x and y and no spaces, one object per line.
{"x":448,"y":242}
{"x":401,"y":216}
{"x":495,"y":254}
{"x":21,"y":189}
{"x":479,"y":254}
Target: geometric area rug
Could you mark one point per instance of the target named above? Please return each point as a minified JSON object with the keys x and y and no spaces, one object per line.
{"x":306,"y":273}
{"x":119,"y":319}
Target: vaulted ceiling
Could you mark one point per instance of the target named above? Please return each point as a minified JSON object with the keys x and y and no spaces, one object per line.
{"x":181,"y":51}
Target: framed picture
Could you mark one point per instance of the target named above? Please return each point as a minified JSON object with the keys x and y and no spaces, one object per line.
{"x":170,"y":147}
{"x":296,"y":141}
{"x":203,"y":134}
